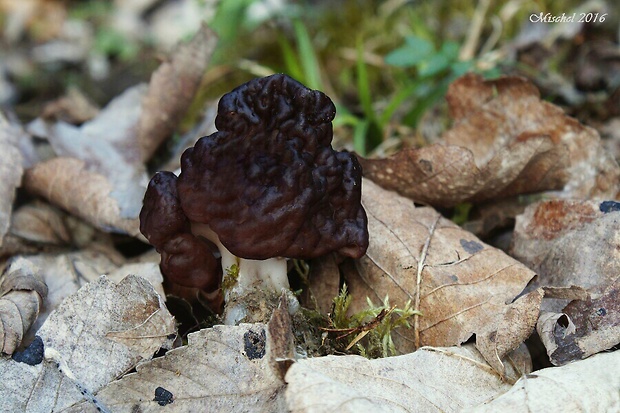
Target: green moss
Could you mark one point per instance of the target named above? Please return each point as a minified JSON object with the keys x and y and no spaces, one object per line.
{"x":230,"y":278}
{"x":368,"y":332}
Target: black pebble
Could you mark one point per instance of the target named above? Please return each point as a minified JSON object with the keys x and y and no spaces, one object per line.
{"x":33,"y":354}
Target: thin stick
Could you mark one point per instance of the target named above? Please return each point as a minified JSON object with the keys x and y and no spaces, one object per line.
{"x":473,"y":36}
{"x":421,"y":265}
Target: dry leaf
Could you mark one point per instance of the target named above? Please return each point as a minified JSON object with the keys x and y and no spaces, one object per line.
{"x":68,"y":183}
{"x":172,"y":89}
{"x":107,"y":145}
{"x":99,"y":174}
{"x":323,"y":284}
{"x":10,"y":170}
{"x":513,"y":328}
{"x":585,"y":386}
{"x":567,"y":293}
{"x":64,"y":274}
{"x":444,"y":175}
{"x":13,"y":245}
{"x":36,"y":388}
{"x":41,"y":223}
{"x":475,"y":104}
{"x":97,"y":334}
{"x":74,"y":107}
{"x":428,"y":380}
{"x":222,"y":369}
{"x":570,"y":243}
{"x":461,"y":285}
{"x":505,"y":141}
{"x":23,"y":292}
{"x":38,"y":227}
{"x":150,"y":271}
{"x":105,"y":329}
{"x":583,"y":328}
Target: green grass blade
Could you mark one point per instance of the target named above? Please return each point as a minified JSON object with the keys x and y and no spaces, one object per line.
{"x":396,"y":101}
{"x":363,"y":84}
{"x":291,"y":63}
{"x":307,"y":55}
{"x":360,"y":131}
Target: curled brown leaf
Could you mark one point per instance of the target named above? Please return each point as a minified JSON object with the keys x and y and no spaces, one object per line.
{"x":505,"y":141}
{"x":40,"y":223}
{"x":23,"y":291}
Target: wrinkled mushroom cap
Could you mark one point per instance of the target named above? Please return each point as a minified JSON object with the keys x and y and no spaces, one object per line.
{"x":268,"y":182}
{"x":186,"y":259}
{"x":161,"y":216}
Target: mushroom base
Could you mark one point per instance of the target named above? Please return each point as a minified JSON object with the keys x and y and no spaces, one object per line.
{"x":256,"y":306}
{"x":246,"y":279}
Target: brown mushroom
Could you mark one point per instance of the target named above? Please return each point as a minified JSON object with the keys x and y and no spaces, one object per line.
{"x":269,"y":186}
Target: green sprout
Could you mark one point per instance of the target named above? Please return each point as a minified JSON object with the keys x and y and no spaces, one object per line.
{"x":369,"y":331}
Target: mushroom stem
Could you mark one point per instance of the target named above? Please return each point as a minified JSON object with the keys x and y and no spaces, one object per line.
{"x":267,"y":275}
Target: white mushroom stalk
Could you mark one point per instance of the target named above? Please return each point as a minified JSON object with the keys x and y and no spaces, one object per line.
{"x":268,"y":275}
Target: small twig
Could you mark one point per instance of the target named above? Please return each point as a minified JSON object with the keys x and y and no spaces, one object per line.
{"x":421,"y":265}
{"x":468,"y":50}
{"x":361,"y":329}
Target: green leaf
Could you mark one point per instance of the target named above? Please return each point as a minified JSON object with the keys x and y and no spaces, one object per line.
{"x":436,"y":64}
{"x":414,"y":51}
{"x":111,"y":42}
{"x":459,"y":68}
{"x":450,"y":50}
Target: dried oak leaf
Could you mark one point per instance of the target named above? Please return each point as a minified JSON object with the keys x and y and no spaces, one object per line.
{"x":431,"y":379}
{"x":570,"y":243}
{"x":22,"y":294}
{"x":475,"y":103}
{"x":461,"y":285}
{"x":74,"y":107}
{"x":127,"y":322}
{"x":40,"y":387}
{"x":10,"y":170}
{"x":445,"y":175}
{"x":505,"y":141}
{"x":14,"y":245}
